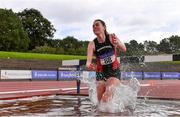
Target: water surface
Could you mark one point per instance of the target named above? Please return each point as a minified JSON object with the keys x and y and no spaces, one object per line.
{"x":81,"y":106}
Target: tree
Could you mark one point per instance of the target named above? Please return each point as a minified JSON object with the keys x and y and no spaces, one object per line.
{"x":39,"y":29}
{"x":83,"y":47}
{"x":165,"y":46}
{"x":55,"y":43}
{"x":70,"y":44}
{"x":133,"y":47}
{"x":170,"y":45}
{"x":12,"y":35}
{"x":175,"y":43}
{"x":141,"y":49}
{"x":150,"y":47}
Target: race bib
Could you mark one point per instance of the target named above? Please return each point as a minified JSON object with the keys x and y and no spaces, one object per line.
{"x":107,"y":60}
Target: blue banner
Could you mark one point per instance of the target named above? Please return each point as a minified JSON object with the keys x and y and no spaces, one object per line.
{"x":156,"y":75}
{"x":42,"y":74}
{"x":137,"y":75}
{"x":69,"y":74}
{"x":172,"y":75}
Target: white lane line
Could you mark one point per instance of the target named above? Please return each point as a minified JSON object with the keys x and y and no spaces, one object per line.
{"x":42,"y":90}
{"x":145,"y":85}
{"x":66,"y":89}
{"x":60,"y":89}
{"x":28,"y":91}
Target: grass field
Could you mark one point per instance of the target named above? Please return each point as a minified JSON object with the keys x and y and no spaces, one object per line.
{"x":20,"y":55}
{"x":172,"y":62}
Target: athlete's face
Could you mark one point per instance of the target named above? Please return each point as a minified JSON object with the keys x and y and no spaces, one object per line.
{"x":98,"y":27}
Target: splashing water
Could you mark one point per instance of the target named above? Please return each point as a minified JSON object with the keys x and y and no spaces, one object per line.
{"x":124,"y":97}
{"x":88,"y":77}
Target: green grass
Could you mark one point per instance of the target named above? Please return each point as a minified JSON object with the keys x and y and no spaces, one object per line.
{"x":20,"y":55}
{"x":172,"y":62}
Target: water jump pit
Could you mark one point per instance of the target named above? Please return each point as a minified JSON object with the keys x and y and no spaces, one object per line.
{"x":65,"y":105}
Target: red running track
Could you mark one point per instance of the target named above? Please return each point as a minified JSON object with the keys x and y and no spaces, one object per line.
{"x":158,"y":89}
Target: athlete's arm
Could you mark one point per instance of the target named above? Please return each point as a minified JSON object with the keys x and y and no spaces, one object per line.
{"x":117,"y":43}
{"x":90,"y":51}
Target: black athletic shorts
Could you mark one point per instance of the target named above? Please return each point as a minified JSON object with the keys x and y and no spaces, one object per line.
{"x":107,"y":74}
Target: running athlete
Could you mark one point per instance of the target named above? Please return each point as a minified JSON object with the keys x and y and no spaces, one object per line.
{"x":103,"y":47}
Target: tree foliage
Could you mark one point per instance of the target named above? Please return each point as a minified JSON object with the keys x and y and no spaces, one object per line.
{"x":134,"y":48}
{"x":175,"y":43}
{"x":150,"y":47}
{"x":39,"y":29}
{"x":170,"y":45}
{"x":12,"y":35}
{"x":164,"y":46}
{"x":67,"y":45}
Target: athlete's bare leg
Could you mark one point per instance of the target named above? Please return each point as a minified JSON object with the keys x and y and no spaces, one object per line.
{"x":111,"y":84}
{"x":100,"y":89}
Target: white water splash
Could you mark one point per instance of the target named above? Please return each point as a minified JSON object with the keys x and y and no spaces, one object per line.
{"x":93,"y":93}
{"x":88,"y":77}
{"x":124,"y":97}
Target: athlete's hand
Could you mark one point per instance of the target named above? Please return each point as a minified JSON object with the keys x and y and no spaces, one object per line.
{"x":91,"y":67}
{"x":114,"y":39}
{"x":117,"y":43}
